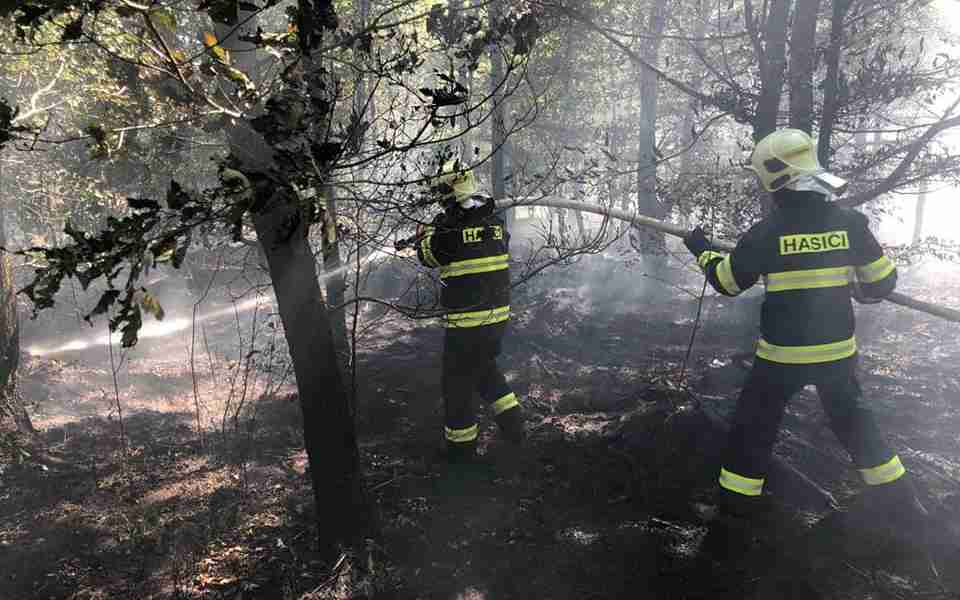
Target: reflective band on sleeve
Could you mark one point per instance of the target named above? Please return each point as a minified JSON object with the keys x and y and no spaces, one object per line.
{"x":478,"y":318}
{"x":875,"y":271}
{"x":808,"y":279}
{"x":706,"y":256}
{"x":885,"y":473}
{"x":805,"y":355}
{"x":506,"y":403}
{"x":740,"y":484}
{"x":476,"y":265}
{"x":462,"y":435}
{"x":725,"y":275}
{"x":428,"y":258}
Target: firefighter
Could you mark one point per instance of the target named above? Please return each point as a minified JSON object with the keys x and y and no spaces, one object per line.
{"x":468,"y":243}
{"x":813,"y":257}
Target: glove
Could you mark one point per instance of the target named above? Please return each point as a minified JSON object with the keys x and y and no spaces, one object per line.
{"x":857,"y":292}
{"x":696,"y":241}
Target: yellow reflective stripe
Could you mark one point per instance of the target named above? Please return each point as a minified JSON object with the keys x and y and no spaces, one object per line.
{"x":725,"y":275}
{"x":740,"y":484}
{"x":875,"y":271}
{"x":462,"y":435}
{"x":808,"y":279}
{"x":478,"y":318}
{"x":885,"y":473}
{"x":476,"y":265}
{"x":427,"y":251}
{"x":804,"y":355}
{"x":706,"y":256}
{"x":506,"y":403}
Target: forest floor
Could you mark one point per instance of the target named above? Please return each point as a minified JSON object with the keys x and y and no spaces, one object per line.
{"x":608,"y":498}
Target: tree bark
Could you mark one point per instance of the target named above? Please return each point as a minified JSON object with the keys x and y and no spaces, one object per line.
{"x":772,"y":67}
{"x":919,"y":213}
{"x":329,"y":432}
{"x":334,"y":277}
{"x":647,"y":202}
{"x":803,"y":47}
{"x":831,"y":87}
{"x":13,"y":414}
{"x":344,"y":515}
{"x":499,"y":133}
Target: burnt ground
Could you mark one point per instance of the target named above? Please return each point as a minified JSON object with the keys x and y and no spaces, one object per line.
{"x":608,"y":499}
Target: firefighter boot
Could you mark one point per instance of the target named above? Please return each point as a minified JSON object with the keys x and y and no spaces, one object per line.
{"x":511,"y":425}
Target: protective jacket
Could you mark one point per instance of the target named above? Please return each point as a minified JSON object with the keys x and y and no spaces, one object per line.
{"x":471,"y":249}
{"x":808,"y":253}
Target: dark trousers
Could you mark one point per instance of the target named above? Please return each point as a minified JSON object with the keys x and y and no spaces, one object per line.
{"x":470,"y":365}
{"x":760,"y":410}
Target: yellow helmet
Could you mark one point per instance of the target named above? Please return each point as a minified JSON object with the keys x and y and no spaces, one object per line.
{"x":453,"y":184}
{"x":784,"y":156}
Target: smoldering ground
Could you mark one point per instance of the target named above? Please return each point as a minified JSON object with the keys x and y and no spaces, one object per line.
{"x":610,"y":487}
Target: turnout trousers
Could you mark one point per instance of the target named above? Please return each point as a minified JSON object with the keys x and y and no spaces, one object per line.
{"x":470,"y":365}
{"x":760,"y":410}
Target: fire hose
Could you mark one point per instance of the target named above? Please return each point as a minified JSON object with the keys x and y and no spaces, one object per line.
{"x":936,"y":310}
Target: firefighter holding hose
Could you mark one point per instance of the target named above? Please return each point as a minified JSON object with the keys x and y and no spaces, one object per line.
{"x":813,"y":257}
{"x":468,"y":243}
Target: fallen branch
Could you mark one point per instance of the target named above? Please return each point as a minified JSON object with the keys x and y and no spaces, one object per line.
{"x":936,"y":310}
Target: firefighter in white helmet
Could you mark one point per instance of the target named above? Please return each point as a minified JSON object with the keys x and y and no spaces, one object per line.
{"x":813,"y":257}
{"x":468,"y":242}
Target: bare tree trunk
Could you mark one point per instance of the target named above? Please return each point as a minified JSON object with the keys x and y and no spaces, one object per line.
{"x":772,"y":64}
{"x":647,"y":202}
{"x":499,"y":133}
{"x":334,"y":276}
{"x":13,"y":414}
{"x":343,"y":513}
{"x":803,"y":46}
{"x":919,"y":213}
{"x":831,"y":86}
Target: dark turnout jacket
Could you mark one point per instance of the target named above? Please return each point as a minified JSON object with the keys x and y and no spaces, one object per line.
{"x":807,"y":252}
{"x":470,"y":247}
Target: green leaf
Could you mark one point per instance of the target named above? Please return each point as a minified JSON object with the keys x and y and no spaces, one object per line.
{"x":165,"y":18}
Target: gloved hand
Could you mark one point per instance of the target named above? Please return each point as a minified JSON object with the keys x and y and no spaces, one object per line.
{"x":696,"y":241}
{"x":857,"y":292}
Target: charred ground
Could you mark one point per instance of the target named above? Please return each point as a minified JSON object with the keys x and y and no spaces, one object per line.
{"x":607,"y":500}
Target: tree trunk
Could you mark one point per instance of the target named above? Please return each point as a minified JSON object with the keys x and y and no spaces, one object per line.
{"x":334,"y":276}
{"x":918,"y":215}
{"x":499,"y":134}
{"x":344,"y":515}
{"x":772,"y":64}
{"x":647,"y":202}
{"x":831,"y":86}
{"x":13,"y":414}
{"x":329,"y":432}
{"x":803,"y":46}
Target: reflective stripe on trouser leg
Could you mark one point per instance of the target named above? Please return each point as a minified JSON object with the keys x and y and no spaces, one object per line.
{"x":888,"y":472}
{"x":756,"y":420}
{"x":853,"y":423}
{"x":746,"y":486}
{"x":505,"y":403}
{"x":459,"y":436}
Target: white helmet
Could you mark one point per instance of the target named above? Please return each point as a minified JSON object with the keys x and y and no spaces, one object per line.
{"x":788,"y":158}
{"x":453,"y":184}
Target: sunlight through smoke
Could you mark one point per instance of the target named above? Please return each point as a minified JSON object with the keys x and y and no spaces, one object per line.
{"x":158,"y":329}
